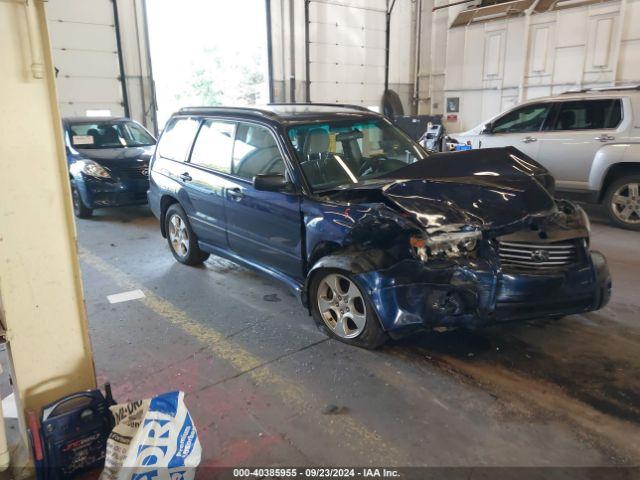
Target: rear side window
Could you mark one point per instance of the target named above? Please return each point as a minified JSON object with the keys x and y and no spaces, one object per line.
{"x":588,"y":115}
{"x":177,"y":138}
{"x":214,"y":145}
{"x":255,"y":152}
{"x":524,"y":119}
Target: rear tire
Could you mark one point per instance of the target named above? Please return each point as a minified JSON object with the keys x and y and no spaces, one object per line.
{"x":622,"y":201}
{"x":80,"y":210}
{"x":182,"y":241}
{"x":342,"y":310}
{"x":392,"y":105}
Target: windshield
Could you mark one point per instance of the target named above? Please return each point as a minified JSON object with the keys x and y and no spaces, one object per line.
{"x":109,"y":134}
{"x":336,"y":154}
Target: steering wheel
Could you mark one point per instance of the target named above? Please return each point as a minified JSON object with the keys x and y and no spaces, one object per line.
{"x":372,"y":163}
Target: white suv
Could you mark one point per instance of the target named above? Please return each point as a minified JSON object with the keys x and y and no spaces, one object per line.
{"x":589,"y":141}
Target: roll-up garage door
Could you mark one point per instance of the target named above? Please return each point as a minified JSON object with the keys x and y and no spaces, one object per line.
{"x":85,"y":55}
{"x":347,"y":51}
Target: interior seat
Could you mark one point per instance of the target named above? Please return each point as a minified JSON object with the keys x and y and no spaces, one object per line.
{"x":265,"y":158}
{"x":567,"y":120}
{"x":316,"y":141}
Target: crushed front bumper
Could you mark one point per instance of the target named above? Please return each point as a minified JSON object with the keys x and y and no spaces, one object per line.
{"x":413,"y":295}
{"x":110,"y":193}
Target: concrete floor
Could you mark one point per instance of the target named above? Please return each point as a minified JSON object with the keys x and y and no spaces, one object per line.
{"x":260,"y":379}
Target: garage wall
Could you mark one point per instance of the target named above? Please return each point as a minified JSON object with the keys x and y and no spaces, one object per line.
{"x":85,"y":49}
{"x":346,"y":50}
{"x":136,"y":59}
{"x":85,"y":54}
{"x":492,"y":65}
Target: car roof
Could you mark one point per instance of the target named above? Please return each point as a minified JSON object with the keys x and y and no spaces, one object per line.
{"x":288,"y":113}
{"x":609,"y":92}
{"x":95,"y":119}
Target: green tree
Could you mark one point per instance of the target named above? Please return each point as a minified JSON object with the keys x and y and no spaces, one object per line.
{"x":225,"y":77}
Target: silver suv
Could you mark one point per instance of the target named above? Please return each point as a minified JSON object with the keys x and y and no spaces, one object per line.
{"x":589,"y":140}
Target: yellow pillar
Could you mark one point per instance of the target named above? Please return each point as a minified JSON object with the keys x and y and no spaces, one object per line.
{"x":42,"y":304}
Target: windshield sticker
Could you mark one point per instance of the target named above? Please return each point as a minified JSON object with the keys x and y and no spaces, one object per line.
{"x":83,"y":139}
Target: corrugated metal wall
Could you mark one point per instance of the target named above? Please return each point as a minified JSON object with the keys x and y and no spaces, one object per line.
{"x":346,"y":50}
{"x":84,"y":41}
{"x":85,"y":54}
{"x":481,"y":64}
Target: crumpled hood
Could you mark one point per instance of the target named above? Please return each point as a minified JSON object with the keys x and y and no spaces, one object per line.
{"x":114,"y":157}
{"x":488,"y":189}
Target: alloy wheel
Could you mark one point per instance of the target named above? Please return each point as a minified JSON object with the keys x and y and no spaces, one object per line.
{"x":625,"y":203}
{"x":342,"y":306}
{"x":179,"y":236}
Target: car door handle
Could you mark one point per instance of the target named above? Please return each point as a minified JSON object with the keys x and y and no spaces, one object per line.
{"x":605,"y":138}
{"x":235,"y":194}
{"x":185,"y":177}
{"x":529,"y":139}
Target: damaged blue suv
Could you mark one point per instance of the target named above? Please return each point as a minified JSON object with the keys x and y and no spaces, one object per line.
{"x":376,"y":237}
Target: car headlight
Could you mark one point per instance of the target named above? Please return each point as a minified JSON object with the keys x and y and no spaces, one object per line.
{"x":584,"y":217}
{"x":446,"y":245}
{"x":93,"y":169}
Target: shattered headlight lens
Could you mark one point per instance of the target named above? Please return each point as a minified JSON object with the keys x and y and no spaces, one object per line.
{"x":93,"y":169}
{"x":584,"y":217}
{"x":446,"y":244}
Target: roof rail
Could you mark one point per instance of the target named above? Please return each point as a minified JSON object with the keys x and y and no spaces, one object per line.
{"x":603,"y":89}
{"x":205,"y":110}
{"x":338,"y":105}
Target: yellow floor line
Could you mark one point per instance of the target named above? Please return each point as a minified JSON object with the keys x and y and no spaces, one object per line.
{"x":292,"y":394}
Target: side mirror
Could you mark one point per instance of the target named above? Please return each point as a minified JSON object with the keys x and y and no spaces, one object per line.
{"x":486,"y":129}
{"x":271,"y":182}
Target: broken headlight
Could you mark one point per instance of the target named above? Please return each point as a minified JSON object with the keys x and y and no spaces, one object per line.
{"x":584,"y":218}
{"x":445,"y":244}
{"x":90,"y":168}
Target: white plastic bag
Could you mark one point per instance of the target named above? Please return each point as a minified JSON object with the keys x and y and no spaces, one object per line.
{"x":152,"y":438}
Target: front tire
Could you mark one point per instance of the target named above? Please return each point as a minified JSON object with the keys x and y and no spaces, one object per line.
{"x":343,"y":311}
{"x":80,"y":210}
{"x":182,"y":241}
{"x":622,"y":201}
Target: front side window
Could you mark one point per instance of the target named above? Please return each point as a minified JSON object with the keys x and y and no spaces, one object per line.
{"x":214,"y":145}
{"x":177,"y":138}
{"x":255,"y":152}
{"x":525,"y":119}
{"x":340,"y":153}
{"x":588,"y":115}
{"x":109,"y":134}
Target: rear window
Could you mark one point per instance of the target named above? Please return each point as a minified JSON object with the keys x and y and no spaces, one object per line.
{"x":588,"y":115}
{"x":177,"y":138}
{"x":214,"y":145}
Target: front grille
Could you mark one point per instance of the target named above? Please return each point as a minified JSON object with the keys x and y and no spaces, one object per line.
{"x":134,"y":172}
{"x":537,"y":256}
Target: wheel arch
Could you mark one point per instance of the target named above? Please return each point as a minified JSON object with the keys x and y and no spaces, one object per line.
{"x":615,"y":172}
{"x":348,"y":260}
{"x":165,"y":202}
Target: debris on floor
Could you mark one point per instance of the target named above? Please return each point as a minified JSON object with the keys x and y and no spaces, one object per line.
{"x":273,"y":297}
{"x":334,"y":410}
